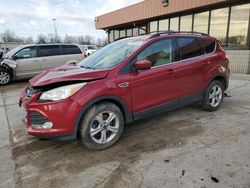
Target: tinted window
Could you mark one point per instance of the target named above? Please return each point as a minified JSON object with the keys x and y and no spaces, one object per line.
{"x":208,"y":46}
{"x":92,"y":47}
{"x":71,"y":49}
{"x":50,"y":50}
{"x":159,"y":53}
{"x":25,"y":53}
{"x":189,"y":48}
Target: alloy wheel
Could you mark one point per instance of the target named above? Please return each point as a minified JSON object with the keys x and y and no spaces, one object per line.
{"x":4,"y":77}
{"x":215,"y":96}
{"x":104,"y":127}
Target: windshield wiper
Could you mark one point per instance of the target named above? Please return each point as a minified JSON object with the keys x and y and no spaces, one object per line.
{"x":86,"y":67}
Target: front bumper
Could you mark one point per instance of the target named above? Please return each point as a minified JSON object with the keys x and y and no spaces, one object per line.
{"x":62,"y":114}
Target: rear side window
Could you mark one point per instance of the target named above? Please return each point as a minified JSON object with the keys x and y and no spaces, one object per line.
{"x":70,"y":49}
{"x":208,"y":46}
{"x":50,"y":50}
{"x":189,"y":48}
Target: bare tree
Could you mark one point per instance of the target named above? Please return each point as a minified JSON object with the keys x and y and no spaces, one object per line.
{"x":8,"y":36}
{"x":41,"y":39}
{"x":29,"y":40}
{"x":69,"y":39}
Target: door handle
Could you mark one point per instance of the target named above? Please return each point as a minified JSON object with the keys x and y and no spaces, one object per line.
{"x":206,"y":63}
{"x":172,"y":71}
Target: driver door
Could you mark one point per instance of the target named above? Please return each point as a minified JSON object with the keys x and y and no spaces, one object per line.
{"x":155,"y":89}
{"x":27,"y":64}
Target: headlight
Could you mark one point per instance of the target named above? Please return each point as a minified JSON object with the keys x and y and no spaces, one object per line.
{"x":61,"y":92}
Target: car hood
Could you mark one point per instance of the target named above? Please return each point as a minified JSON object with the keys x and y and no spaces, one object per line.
{"x":67,"y":73}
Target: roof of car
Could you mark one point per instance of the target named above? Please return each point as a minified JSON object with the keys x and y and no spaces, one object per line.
{"x":49,"y":44}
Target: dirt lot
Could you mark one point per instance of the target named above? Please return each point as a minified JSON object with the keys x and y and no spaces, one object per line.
{"x":185,"y":148}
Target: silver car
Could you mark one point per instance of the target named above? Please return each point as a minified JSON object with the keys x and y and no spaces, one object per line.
{"x":27,"y":61}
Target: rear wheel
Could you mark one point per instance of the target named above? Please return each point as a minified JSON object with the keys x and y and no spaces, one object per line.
{"x":102,"y":126}
{"x":213,"y":96}
{"x":5,"y":76}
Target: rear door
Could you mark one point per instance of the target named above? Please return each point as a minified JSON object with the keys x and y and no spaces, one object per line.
{"x":28,"y":65}
{"x":157,"y":86}
{"x":72,"y":53}
{"x":190,"y":69}
{"x":50,"y":56}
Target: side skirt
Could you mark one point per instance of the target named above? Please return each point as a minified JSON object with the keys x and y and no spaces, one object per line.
{"x":169,"y":106}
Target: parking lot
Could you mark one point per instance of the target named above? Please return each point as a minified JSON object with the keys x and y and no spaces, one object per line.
{"x":184,"y":148}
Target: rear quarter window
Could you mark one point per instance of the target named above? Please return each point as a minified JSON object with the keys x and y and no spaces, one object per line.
{"x":50,"y":50}
{"x":71,"y":49}
{"x":189,"y":48}
{"x":207,"y":45}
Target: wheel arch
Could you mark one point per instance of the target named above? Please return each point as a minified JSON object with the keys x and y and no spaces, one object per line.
{"x":128,"y":118}
{"x":221,"y":78}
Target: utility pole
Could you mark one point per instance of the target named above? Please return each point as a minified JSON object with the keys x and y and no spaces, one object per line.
{"x":55,"y":30}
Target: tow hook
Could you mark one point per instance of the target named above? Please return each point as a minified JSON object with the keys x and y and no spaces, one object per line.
{"x":227,"y":94}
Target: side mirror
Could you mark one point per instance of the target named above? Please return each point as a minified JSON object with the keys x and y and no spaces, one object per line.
{"x":143,"y":65}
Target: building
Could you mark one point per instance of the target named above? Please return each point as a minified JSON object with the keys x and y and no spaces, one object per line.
{"x":228,"y":20}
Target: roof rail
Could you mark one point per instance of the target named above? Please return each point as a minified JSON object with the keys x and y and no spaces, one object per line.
{"x":157,"y":34}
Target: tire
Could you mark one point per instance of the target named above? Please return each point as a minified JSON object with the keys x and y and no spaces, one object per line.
{"x":213,"y":97}
{"x":6,"y":76}
{"x":96,"y":120}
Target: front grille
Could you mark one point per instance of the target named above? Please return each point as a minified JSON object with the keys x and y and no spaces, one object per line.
{"x":37,"y":119}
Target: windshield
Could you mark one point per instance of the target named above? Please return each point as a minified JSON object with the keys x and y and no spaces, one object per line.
{"x":112,"y":54}
{"x":11,"y":52}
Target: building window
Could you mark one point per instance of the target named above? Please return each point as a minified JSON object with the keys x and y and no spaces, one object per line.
{"x":201,"y":22}
{"x":122,"y":33}
{"x":142,"y":30}
{"x":239,"y":25}
{"x":111,"y":36}
{"x":174,"y":24}
{"x":129,"y":33}
{"x":186,"y":23}
{"x":218,"y":24}
{"x":163,"y":25}
{"x":154,"y":26}
{"x":116,"y":34}
{"x":135,"y":31}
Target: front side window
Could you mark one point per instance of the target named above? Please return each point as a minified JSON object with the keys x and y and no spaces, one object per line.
{"x":50,"y":50}
{"x":112,"y":54}
{"x":189,"y":48}
{"x":29,"y":52}
{"x":159,"y":53}
{"x":70,"y":49}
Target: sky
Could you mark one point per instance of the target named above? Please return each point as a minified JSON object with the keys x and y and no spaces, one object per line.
{"x":73,"y":17}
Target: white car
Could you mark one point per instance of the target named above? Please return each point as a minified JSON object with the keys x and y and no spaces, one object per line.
{"x":90,"y":49}
{"x":27,"y":61}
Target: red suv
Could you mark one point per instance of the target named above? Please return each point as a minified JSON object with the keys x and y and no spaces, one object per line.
{"x":127,"y":80}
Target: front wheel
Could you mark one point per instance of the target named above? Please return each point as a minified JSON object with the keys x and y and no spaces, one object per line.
{"x":5,"y":76}
{"x":102,"y":126}
{"x":213,"y":96}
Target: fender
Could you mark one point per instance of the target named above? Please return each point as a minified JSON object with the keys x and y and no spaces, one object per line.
{"x":218,"y":71}
{"x":9,"y":63}
{"x":128,"y":117}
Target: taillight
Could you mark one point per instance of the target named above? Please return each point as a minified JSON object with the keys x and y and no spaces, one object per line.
{"x":85,"y":56}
